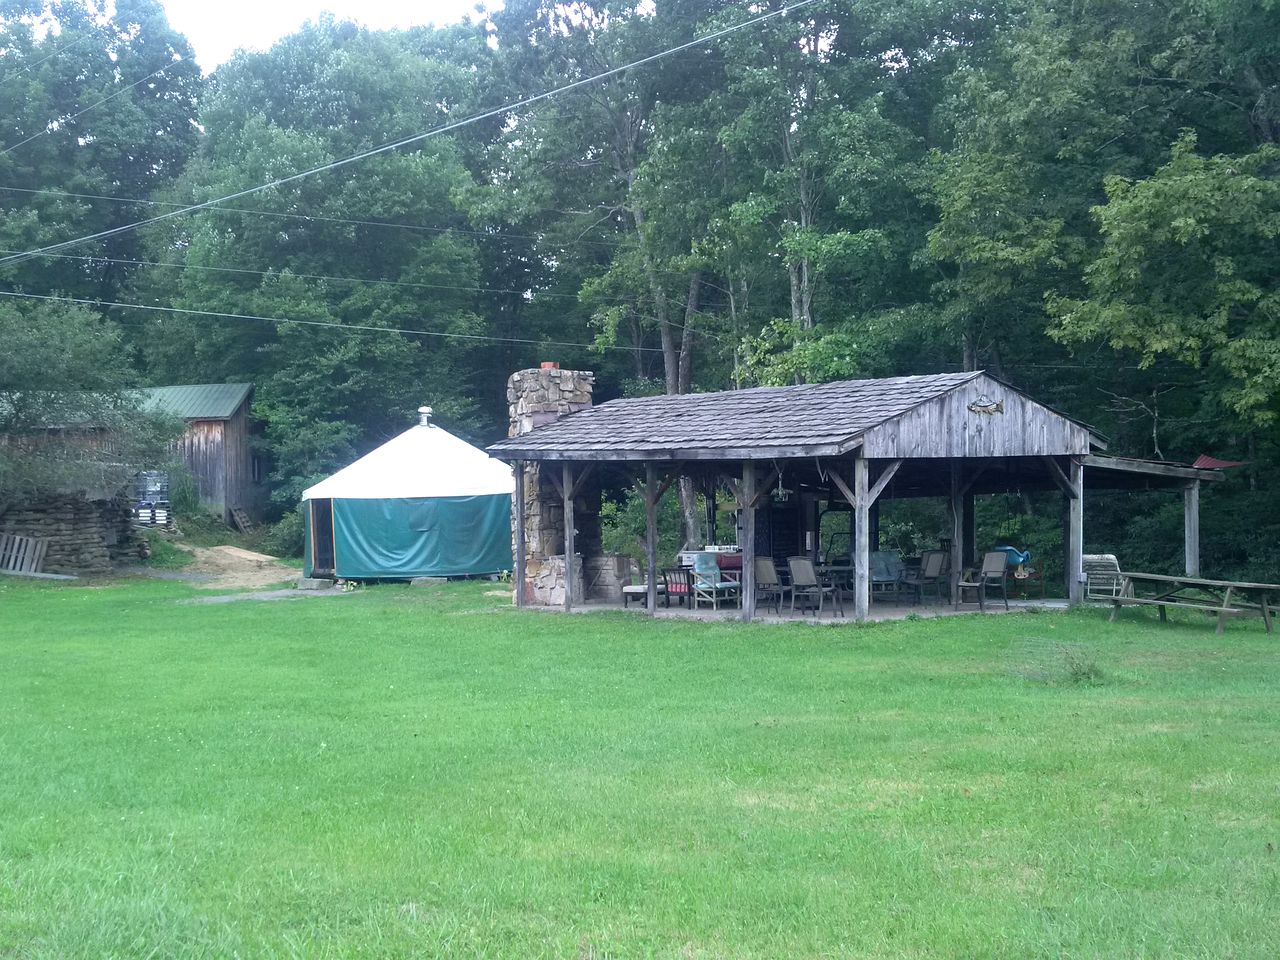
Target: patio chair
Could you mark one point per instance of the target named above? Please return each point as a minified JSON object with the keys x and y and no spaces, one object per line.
{"x":769,"y":586}
{"x":930,"y":573}
{"x":710,"y":585}
{"x":679,"y":582}
{"x":886,"y":572}
{"x":993,"y":573}
{"x":640,"y":591}
{"x":1102,"y":576}
{"x":808,"y":590}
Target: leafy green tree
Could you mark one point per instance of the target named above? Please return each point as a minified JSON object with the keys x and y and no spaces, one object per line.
{"x":103,"y":106}
{"x":364,"y":280}
{"x":68,"y":419}
{"x":1190,"y":268}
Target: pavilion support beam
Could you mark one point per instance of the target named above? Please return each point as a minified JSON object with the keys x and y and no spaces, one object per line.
{"x":1191,"y":527}
{"x":969,"y":529}
{"x":566,"y":491}
{"x":711,"y":511}
{"x":750,"y":503}
{"x":957,"y":527}
{"x":651,"y":496}
{"x":1074,"y":534}
{"x":521,"y":538}
{"x":862,"y":541}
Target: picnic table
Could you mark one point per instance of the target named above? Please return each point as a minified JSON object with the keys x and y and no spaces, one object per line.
{"x":1226,"y":598}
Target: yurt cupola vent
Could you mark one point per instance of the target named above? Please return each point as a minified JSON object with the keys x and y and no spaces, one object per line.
{"x":424,"y":416}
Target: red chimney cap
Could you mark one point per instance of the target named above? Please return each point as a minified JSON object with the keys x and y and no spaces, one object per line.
{"x":550,"y":365}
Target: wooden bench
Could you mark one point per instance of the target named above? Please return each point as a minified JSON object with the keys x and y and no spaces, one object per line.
{"x":1225,"y":598}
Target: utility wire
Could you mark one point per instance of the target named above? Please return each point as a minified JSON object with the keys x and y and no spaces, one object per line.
{"x":31,"y":66}
{"x":48,"y":127}
{"x":323,"y":323}
{"x":482,"y":234}
{"x":284,"y":274}
{"x":416,"y":138}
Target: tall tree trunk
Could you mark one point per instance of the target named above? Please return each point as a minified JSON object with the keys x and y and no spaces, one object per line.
{"x":970,"y":344}
{"x":688,"y":490}
{"x":670,"y":351}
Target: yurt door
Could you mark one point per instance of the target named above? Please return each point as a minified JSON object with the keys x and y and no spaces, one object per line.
{"x":322,"y":538}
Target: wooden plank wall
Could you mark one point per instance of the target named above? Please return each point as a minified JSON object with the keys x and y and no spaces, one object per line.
{"x":239,"y":462}
{"x":203,"y":449}
{"x":217,"y":454}
{"x":981,"y":419}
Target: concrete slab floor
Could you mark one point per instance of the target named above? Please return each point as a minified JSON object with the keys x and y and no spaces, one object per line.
{"x":879,"y":611}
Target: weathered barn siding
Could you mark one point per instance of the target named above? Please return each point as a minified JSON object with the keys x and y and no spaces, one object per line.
{"x":239,"y":461}
{"x":203,"y":447}
{"x":983,"y":418}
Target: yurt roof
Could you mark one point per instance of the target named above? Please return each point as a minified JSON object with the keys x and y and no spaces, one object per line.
{"x":424,"y":461}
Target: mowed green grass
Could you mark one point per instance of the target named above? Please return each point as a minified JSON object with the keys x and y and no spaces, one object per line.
{"x":403,"y":772}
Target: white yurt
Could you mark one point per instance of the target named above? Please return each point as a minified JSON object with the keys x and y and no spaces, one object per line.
{"x":424,"y":504}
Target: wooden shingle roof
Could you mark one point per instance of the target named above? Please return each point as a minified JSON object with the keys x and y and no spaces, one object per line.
{"x":821,"y":419}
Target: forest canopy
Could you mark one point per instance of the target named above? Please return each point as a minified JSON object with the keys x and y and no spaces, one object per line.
{"x":1082,"y":198}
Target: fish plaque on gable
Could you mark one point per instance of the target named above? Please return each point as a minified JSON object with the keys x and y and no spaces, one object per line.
{"x":986,"y":405}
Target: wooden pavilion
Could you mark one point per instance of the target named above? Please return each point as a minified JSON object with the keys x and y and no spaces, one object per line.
{"x":951,"y":435}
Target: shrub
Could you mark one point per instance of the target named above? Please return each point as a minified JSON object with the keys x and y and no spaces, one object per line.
{"x":285,"y":537}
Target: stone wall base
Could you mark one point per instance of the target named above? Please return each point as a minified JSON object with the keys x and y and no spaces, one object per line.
{"x":545,"y":580}
{"x":607,"y":574}
{"x":85,"y":536}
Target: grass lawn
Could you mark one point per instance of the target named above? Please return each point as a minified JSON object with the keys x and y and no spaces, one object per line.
{"x":403,"y":772}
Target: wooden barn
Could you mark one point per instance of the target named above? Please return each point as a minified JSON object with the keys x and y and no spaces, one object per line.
{"x":216,"y":443}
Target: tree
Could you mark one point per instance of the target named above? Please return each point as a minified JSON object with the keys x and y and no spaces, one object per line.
{"x":104,"y":106}
{"x":364,"y":278}
{"x":68,"y":419}
{"x":1190,"y":268}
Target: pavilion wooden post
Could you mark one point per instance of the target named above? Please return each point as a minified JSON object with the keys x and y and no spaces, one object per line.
{"x":567,"y":492}
{"x":1191,"y":526}
{"x":957,"y":527}
{"x":520,"y":537}
{"x":969,"y":529}
{"x":1075,"y":530}
{"x":862,"y":496}
{"x":651,"y":536}
{"x":862,"y":540}
{"x":748,"y":544}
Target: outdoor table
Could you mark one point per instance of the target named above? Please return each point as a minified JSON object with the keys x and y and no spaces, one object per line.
{"x":1196,"y":593}
{"x":837,"y":574}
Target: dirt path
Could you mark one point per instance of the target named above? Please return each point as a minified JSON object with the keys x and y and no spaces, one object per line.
{"x":230,"y":568}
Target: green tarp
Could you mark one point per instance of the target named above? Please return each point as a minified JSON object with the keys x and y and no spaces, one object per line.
{"x":428,"y":537}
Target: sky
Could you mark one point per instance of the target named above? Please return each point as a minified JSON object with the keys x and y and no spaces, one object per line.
{"x":217,"y":28}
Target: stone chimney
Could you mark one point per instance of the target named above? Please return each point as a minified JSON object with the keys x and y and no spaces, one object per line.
{"x":535,"y":398}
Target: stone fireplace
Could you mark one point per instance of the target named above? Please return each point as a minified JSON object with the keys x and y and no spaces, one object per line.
{"x":534,"y":398}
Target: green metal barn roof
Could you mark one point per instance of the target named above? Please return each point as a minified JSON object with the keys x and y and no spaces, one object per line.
{"x":198,"y":401}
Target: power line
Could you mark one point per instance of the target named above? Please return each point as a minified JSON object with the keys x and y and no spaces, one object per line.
{"x":617,"y":301}
{"x":31,"y":66}
{"x":48,"y":127}
{"x":323,"y":323}
{"x":417,"y":138}
{"x":484,"y":235}
{"x":317,"y":276}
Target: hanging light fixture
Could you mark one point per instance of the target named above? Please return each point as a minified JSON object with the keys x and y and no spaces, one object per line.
{"x":781,"y":493}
